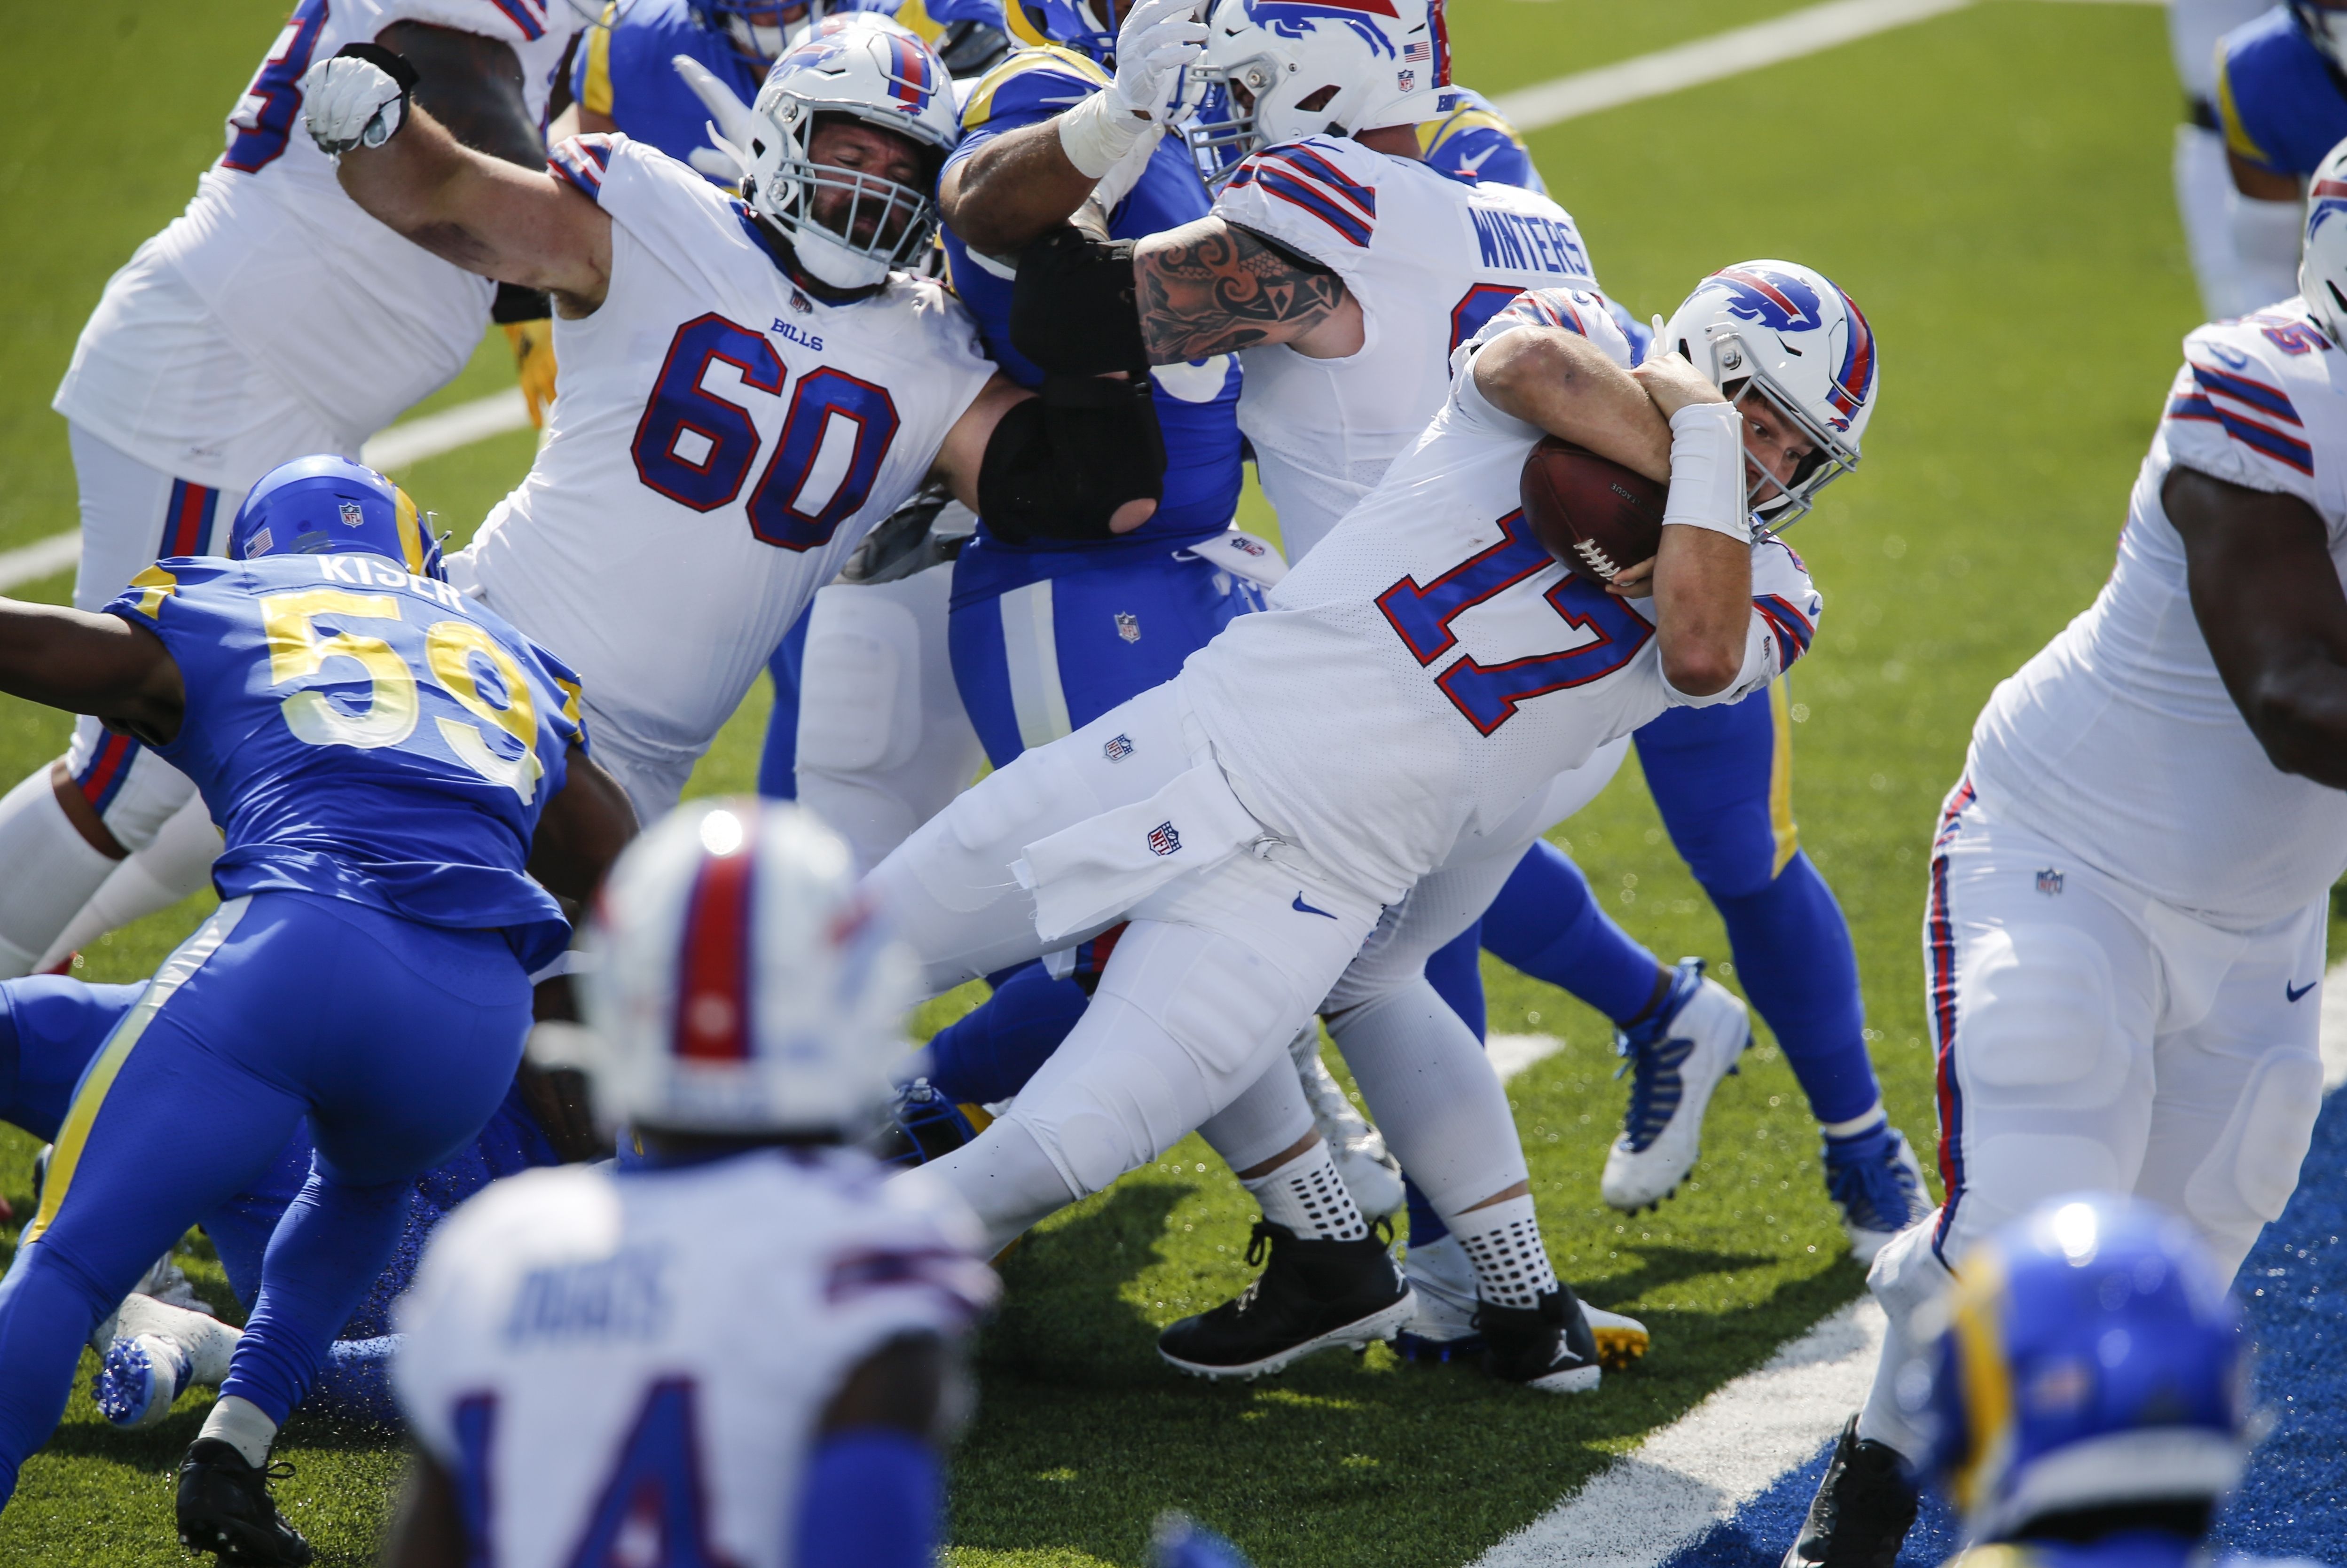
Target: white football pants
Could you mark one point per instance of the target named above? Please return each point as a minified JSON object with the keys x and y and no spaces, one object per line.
{"x":883,"y":742}
{"x":1218,"y":968}
{"x":2090,"y":1037}
{"x":1425,"y":1077}
{"x":131,"y":514}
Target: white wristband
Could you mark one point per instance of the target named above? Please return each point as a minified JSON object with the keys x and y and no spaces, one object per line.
{"x":1707,"y":471}
{"x":1096,"y":134}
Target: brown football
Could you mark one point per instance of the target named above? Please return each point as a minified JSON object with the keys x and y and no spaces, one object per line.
{"x":1593,"y":515}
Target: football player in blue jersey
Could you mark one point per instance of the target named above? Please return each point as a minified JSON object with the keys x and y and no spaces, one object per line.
{"x":154,"y":1347}
{"x":2281,"y":101}
{"x":2089,"y":1398}
{"x":404,"y":790}
{"x":1723,"y":781}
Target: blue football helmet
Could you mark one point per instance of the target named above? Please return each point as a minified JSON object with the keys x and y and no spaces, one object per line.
{"x":765,"y":30}
{"x":332,"y":505}
{"x":2092,"y":1359}
{"x":1083,"y":25}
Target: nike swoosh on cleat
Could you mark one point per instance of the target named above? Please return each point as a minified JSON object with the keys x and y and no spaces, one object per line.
{"x":1301,"y":907}
{"x":2294,"y":992}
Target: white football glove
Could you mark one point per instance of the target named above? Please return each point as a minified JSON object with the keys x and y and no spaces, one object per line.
{"x":730,"y":124}
{"x":350,"y":101}
{"x":1158,"y":39}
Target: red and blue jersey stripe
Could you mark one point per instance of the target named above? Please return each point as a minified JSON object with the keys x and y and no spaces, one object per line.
{"x":583,"y":160}
{"x":1305,"y":180}
{"x":1940,"y":943}
{"x":1793,"y":629}
{"x":713,"y":998}
{"x":188,"y":520}
{"x":529,"y":20}
{"x":2261,"y":408}
{"x":101,"y":778}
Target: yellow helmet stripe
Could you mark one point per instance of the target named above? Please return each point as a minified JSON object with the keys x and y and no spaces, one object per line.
{"x":411,"y":533}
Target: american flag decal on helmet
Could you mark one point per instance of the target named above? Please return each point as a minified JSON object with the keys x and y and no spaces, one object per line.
{"x":712,"y":982}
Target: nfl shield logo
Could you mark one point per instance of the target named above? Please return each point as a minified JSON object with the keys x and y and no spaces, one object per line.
{"x":1406,"y":80}
{"x":1116,"y":748}
{"x":1164,"y":840}
{"x":2049,"y":882}
{"x":352,"y":516}
{"x":799,"y":303}
{"x":1128,"y":627}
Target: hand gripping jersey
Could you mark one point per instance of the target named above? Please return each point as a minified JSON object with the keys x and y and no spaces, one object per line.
{"x":580,"y":1342}
{"x":723,"y":441}
{"x":1431,"y":666}
{"x":272,"y":261}
{"x":1198,"y":403}
{"x":1430,"y":258}
{"x":2280,"y":103}
{"x":364,"y":734}
{"x":624,"y":71}
{"x":2118,"y":739}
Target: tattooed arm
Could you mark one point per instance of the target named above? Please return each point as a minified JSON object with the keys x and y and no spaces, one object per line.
{"x":1211,"y":287}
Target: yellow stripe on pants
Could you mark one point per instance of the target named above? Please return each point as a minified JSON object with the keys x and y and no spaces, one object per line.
{"x":1780,"y":778}
{"x":176,"y":970}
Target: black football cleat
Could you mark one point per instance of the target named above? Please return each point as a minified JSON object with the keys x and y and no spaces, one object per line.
{"x":225,"y":1508}
{"x":1549,"y":1346}
{"x":1863,"y":1511}
{"x":1310,"y":1296}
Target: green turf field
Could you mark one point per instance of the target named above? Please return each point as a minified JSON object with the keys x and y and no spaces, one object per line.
{"x":2005,"y":217}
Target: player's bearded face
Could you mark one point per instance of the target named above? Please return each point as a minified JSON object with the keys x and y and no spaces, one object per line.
{"x":860,"y":162}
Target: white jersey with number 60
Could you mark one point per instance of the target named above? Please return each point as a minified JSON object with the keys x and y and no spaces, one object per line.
{"x":721,"y":440}
{"x":632,"y":1367}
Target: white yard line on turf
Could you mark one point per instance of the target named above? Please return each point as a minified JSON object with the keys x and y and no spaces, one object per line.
{"x":1701,"y":1468}
{"x":1741,"y":49}
{"x":396,"y":447}
{"x":1511,"y":1054}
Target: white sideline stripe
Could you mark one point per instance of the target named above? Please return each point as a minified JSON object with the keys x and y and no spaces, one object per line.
{"x":2335,"y":1027}
{"x":394,"y":448}
{"x":42,"y":558}
{"x":1696,"y":1472}
{"x":1728,"y":54}
{"x":1511,"y":1054}
{"x":447,"y":430}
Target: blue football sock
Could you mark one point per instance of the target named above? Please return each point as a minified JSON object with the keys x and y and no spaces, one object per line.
{"x":325,"y":1257}
{"x":778,"y":762}
{"x":873,"y":1497}
{"x":1455,"y":971}
{"x":987,"y":1056}
{"x":1546,"y":923}
{"x":1426,"y":1226}
{"x":356,"y":1383}
{"x":1793,"y":954}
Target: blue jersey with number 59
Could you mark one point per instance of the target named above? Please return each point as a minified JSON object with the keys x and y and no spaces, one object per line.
{"x":365,"y":735}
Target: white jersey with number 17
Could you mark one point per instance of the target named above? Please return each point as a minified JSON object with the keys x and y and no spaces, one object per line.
{"x":1430,"y":257}
{"x":723,"y":439}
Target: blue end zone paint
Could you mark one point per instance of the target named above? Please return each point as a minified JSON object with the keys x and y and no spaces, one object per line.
{"x":2295,"y":1286}
{"x":2295,"y":1498}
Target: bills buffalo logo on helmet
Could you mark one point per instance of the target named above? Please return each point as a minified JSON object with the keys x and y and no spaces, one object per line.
{"x":1294,"y":18}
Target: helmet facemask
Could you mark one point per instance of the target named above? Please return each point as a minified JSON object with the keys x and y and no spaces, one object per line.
{"x":1777,"y":504}
{"x":849,"y":227}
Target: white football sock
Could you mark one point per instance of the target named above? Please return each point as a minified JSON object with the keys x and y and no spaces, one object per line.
{"x":239,"y":1423}
{"x":177,"y":864}
{"x":1308,"y":1197}
{"x":51,"y":872}
{"x":1503,"y":1240}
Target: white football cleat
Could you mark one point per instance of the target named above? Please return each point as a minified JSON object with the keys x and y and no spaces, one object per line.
{"x":1443,"y":1327}
{"x":159,"y":1352}
{"x":1371,"y":1174}
{"x":1675,"y":1060}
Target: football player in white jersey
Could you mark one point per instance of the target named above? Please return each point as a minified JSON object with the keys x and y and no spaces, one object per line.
{"x":266,"y":322}
{"x":571,"y":1345}
{"x":2124,"y":943}
{"x":1414,"y":685}
{"x":748,"y":385}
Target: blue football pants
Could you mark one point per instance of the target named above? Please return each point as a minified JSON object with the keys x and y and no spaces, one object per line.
{"x":395,"y":1041}
{"x":1035,"y":663}
{"x":778,"y":764}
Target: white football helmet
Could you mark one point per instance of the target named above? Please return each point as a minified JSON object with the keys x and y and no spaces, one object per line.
{"x":738,"y":981}
{"x":1783,"y":332}
{"x":866,"y":66}
{"x":2323,"y":265}
{"x":1358,"y":64}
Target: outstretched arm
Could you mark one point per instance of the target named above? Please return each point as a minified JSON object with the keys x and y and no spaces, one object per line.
{"x":479,"y":212}
{"x":582,"y":831}
{"x":97,"y":664}
{"x":1211,"y":287}
{"x":2267,"y":600}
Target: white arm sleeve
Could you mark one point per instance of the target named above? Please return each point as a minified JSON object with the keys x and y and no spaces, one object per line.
{"x":2265,"y":245}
